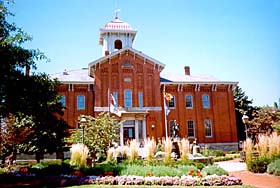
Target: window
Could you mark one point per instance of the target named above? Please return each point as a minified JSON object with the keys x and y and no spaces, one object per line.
{"x":118,"y":44}
{"x":190,"y":127}
{"x":127,"y":98}
{"x":208,"y":128}
{"x":63,"y":100}
{"x":140,"y":99}
{"x":189,"y":101}
{"x":205,"y":101}
{"x":80,"y":102}
{"x":171,"y":103}
{"x":115,"y":94}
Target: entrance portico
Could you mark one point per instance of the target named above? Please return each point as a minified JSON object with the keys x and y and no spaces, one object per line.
{"x":133,"y":126}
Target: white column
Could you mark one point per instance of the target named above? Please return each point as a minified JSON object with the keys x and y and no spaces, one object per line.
{"x":121,"y":135}
{"x":144,"y":128}
{"x":136,"y":130}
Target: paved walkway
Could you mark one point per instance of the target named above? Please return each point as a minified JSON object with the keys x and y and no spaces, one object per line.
{"x":238,"y":169}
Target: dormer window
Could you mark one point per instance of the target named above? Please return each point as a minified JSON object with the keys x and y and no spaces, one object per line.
{"x":118,"y":44}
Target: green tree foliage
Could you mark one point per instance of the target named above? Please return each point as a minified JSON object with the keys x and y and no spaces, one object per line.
{"x":99,"y":133}
{"x":25,"y":95}
{"x":242,"y":106}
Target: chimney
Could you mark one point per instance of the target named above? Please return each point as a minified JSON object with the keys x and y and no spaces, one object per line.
{"x":107,"y":53}
{"x":187,"y":70}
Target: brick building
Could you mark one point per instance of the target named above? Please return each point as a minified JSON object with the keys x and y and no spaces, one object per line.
{"x":202,"y":106}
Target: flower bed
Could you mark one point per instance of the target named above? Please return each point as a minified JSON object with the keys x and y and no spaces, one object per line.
{"x":164,"y":181}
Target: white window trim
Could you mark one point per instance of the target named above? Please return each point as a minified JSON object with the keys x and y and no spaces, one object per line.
{"x":186,"y":101}
{"x":193,"y":129}
{"x":140,"y":99}
{"x":84,"y":103}
{"x":211,"y":126}
{"x":209,"y":105}
{"x":130,"y":97}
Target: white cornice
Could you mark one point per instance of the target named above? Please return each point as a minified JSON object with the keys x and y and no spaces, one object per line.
{"x":105,"y":58}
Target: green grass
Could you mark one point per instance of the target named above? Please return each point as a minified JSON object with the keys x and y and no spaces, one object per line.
{"x":145,"y":186}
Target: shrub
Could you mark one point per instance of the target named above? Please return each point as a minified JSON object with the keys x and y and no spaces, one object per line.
{"x":2,"y":170}
{"x":159,"y":170}
{"x":198,"y":165}
{"x":214,"y":153}
{"x":274,"y":168}
{"x":222,"y":158}
{"x":258,"y":165}
{"x":212,"y":169}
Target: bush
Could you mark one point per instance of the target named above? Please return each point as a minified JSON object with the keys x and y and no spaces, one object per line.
{"x":258,"y":165}
{"x":212,"y":169}
{"x":160,"y":170}
{"x":274,"y":168}
{"x":214,"y":153}
{"x":198,"y":165}
{"x":2,"y":170}
{"x":222,"y":158}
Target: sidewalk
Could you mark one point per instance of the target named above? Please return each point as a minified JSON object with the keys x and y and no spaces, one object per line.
{"x":238,"y":169}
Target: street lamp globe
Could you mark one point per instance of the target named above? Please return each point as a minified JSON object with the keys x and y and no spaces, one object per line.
{"x":245,"y":119}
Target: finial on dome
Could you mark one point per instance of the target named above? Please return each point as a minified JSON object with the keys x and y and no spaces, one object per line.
{"x":117,"y":12}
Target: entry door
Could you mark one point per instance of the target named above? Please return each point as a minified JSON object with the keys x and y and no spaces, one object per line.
{"x":128,"y":134}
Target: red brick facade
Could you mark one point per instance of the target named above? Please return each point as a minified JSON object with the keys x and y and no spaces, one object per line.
{"x":203,"y":107}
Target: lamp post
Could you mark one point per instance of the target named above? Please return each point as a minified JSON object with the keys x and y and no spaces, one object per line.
{"x":245,"y":119}
{"x":82,"y":121}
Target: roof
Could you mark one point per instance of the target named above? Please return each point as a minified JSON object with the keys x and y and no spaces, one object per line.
{"x":126,"y":49}
{"x":118,"y":24}
{"x":174,"y":78}
{"x":74,"y":76}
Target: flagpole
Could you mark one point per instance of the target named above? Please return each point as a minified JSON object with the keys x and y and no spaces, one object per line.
{"x":109,"y":102}
{"x":165,"y":115}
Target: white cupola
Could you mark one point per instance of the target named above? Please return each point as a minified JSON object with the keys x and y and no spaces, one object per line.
{"x":116,"y":35}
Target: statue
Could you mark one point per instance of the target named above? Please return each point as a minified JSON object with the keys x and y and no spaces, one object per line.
{"x":174,"y":130}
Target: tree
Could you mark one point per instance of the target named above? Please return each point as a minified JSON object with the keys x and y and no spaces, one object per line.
{"x":242,"y":106}
{"x":99,"y":133}
{"x":24,"y":95}
{"x":15,"y":132}
{"x":264,"y":121}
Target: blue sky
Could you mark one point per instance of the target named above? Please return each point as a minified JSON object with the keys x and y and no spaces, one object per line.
{"x":233,"y":40}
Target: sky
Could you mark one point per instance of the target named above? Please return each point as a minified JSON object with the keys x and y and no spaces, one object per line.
{"x":233,"y":40}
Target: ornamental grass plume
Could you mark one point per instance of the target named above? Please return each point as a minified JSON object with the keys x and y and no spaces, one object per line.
{"x":167,"y":144}
{"x":111,"y":154}
{"x":248,"y":148}
{"x":150,"y":148}
{"x":263,"y":145}
{"x":184,"y":149}
{"x":133,"y":150}
{"x":79,"y":154}
{"x":274,"y":144}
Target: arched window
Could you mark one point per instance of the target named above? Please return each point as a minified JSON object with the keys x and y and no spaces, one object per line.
{"x":118,"y":44}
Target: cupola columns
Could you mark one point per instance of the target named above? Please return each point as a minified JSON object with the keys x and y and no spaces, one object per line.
{"x":116,"y":35}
